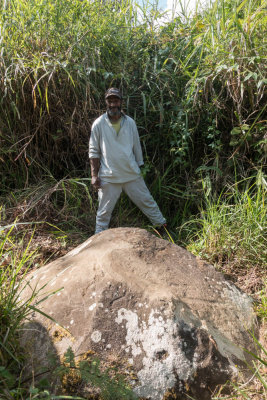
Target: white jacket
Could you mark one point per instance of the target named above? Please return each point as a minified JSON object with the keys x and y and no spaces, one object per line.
{"x":120,"y":154}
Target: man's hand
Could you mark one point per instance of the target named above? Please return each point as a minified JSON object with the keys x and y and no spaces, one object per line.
{"x":95,"y":182}
{"x":95,"y":165}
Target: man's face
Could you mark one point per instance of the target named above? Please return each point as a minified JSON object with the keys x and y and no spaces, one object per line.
{"x":113,"y":106}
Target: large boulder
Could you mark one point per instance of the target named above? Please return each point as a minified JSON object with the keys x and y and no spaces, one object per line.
{"x":180,"y":324}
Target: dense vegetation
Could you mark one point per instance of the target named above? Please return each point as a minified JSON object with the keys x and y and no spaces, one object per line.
{"x":196,"y":87}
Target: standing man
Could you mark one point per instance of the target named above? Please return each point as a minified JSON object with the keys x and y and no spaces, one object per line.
{"x":115,"y":157}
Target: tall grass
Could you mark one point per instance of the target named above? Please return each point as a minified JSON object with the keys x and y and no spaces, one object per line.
{"x":232,"y":228}
{"x":13,"y":311}
{"x":195,"y":86}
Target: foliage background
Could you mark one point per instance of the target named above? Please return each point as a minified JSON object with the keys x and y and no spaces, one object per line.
{"x":195,"y":87}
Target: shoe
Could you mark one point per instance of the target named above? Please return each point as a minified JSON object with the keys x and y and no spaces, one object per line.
{"x":162,"y":230}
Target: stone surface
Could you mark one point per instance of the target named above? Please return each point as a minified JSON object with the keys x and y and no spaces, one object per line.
{"x":128,"y":294}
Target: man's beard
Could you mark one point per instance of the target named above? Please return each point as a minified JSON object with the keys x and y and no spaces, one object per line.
{"x":114,"y":111}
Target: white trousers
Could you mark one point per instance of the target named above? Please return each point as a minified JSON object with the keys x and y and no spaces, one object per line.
{"x":109,"y":194}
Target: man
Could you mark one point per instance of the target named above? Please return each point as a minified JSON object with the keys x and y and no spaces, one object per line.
{"x":115,"y":157}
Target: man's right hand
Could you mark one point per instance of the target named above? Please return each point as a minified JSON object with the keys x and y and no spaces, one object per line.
{"x":95,"y":165}
{"x":95,"y":182}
